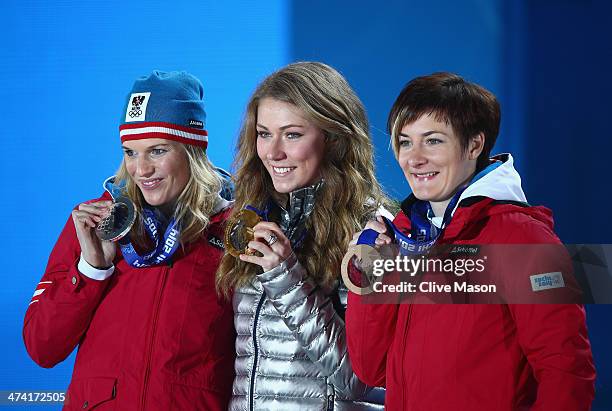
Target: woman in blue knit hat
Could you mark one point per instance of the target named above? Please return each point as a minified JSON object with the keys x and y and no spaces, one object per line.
{"x":151,"y":332}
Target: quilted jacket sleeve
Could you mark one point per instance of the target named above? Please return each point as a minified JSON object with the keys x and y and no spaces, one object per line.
{"x":310,"y":315}
{"x":63,"y":303}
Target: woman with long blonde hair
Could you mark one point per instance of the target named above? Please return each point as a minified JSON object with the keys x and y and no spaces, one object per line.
{"x":305,"y":165}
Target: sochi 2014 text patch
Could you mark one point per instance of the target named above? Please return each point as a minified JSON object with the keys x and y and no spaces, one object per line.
{"x":547,"y":281}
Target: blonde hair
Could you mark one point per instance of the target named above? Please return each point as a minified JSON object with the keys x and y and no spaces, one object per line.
{"x":350,"y":194}
{"x":195,"y":204}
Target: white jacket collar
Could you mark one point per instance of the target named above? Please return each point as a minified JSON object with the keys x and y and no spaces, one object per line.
{"x":502,"y":183}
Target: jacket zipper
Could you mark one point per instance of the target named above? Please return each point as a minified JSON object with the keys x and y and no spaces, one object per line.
{"x":255,"y":351}
{"x":152,"y":339}
{"x":330,"y":398}
{"x":403,"y":365}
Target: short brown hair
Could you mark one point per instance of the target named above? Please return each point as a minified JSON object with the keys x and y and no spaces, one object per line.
{"x":469,"y":108}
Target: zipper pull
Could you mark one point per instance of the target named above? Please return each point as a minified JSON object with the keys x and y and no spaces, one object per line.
{"x":330,"y":400}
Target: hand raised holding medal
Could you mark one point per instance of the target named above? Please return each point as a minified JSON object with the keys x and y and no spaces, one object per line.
{"x":239,"y":231}
{"x":98,"y":253}
{"x":119,"y":220}
{"x":255,"y":241}
{"x":121,"y":215}
{"x":271,"y":243}
{"x":99,"y":225}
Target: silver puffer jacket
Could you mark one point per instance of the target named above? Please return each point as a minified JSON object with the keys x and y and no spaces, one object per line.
{"x":291,"y":344}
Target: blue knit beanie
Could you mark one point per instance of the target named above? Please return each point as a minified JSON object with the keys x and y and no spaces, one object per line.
{"x":166,"y":105}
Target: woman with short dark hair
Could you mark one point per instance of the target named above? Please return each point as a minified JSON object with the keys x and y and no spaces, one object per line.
{"x":468,"y":356}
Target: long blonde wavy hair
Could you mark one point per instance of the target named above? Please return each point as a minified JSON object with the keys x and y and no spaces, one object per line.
{"x":195,"y":204}
{"x":350,"y":194}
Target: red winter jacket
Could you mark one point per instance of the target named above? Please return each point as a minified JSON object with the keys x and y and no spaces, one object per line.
{"x":476,"y":357}
{"x":155,"y":338}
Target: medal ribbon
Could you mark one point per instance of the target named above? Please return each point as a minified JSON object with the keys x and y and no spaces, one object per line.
{"x":423,"y":234}
{"x":261,"y":213}
{"x":163,"y":250}
{"x":113,"y":189}
{"x":264,"y":214}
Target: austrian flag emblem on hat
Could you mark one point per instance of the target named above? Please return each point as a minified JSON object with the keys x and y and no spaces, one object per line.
{"x":167,"y":105}
{"x":137,"y":107}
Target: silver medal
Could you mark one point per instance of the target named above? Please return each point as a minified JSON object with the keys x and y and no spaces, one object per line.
{"x":119,"y":222}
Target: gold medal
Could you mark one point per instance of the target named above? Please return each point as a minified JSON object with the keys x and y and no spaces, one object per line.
{"x":239,"y":231}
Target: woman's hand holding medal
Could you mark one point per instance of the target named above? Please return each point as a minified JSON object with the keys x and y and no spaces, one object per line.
{"x":384,"y":234}
{"x":97,"y":253}
{"x":363,"y":249}
{"x":271,"y":243}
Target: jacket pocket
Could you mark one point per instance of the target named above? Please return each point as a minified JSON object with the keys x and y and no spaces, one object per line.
{"x":91,"y":393}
